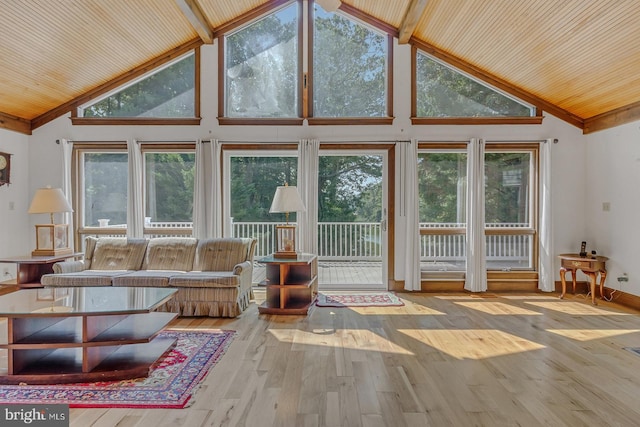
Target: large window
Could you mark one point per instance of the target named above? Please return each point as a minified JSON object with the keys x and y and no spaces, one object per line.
{"x":261,"y":68}
{"x":168,"y":92}
{"x":165,"y":197}
{"x":510,"y":176}
{"x":349,"y":67}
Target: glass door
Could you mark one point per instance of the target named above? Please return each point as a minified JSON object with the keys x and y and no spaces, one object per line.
{"x":352,"y":219}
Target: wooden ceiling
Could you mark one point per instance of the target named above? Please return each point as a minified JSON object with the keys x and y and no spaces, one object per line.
{"x":576,"y":59}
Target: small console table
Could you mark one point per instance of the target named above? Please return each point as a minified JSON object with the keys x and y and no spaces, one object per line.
{"x":31,"y":268}
{"x":591,"y":266}
{"x":292,"y":284}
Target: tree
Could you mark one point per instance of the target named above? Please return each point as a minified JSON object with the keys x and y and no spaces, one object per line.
{"x":350,"y":68}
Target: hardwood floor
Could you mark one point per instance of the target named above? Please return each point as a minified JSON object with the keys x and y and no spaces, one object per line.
{"x":441,"y":360}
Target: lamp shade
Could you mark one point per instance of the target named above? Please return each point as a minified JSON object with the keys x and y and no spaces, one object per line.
{"x":49,"y":200}
{"x":286,"y":199}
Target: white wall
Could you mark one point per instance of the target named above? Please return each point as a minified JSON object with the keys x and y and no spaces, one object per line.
{"x":613,"y":176}
{"x":569,"y":155}
{"x":15,"y":235}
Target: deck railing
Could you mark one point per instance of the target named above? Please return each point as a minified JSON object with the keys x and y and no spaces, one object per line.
{"x":361,"y":241}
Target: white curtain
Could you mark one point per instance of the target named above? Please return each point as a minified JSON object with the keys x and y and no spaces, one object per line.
{"x":308,"y":164}
{"x":200,"y":228}
{"x":546,"y":280}
{"x":67,"y":150}
{"x":215,"y":204}
{"x":408,"y":213}
{"x":135,"y":215}
{"x":476,"y":274}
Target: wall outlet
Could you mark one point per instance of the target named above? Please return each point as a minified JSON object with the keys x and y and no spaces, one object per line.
{"x":623,"y":278}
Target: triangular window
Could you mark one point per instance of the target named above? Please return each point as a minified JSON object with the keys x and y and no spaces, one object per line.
{"x":442,"y":91}
{"x":168,"y":92}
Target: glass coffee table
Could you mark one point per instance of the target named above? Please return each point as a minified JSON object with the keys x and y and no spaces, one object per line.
{"x":83,"y":334}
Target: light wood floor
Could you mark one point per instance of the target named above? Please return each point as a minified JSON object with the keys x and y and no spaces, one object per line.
{"x":441,"y":360}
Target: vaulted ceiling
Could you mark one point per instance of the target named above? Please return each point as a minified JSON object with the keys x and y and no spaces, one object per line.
{"x":576,"y":59}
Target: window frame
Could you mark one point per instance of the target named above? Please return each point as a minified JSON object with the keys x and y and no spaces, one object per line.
{"x":374,"y":25}
{"x":474,"y":74}
{"x":161,"y":148}
{"x":138,"y":74}
{"x":522,"y":276}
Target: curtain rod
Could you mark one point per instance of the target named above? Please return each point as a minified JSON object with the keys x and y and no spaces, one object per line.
{"x":523,"y":141}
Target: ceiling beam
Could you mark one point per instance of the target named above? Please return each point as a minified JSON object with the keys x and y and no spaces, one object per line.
{"x":17,"y":124}
{"x":192,"y":11}
{"x":613,"y":118}
{"x":410,"y":20}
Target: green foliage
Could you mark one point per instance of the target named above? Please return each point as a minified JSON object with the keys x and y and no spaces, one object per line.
{"x":443,"y":92}
{"x":349,"y":68}
{"x":105,"y":192}
{"x":442,"y":187}
{"x":167,"y":93}
{"x":169,"y":186}
{"x":262,"y":67}
{"x":350,"y":187}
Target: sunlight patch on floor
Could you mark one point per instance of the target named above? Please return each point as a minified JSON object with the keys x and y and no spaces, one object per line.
{"x":353,"y":339}
{"x":569,"y":307}
{"x":498,"y":308}
{"x":591,"y":334}
{"x":473,"y":343}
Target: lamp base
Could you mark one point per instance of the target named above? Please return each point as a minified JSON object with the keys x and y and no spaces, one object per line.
{"x":52,"y":252}
{"x":285,"y":254}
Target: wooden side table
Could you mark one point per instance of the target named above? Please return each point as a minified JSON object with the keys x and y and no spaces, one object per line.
{"x":591,"y":266}
{"x":31,"y":268}
{"x":292,"y":284}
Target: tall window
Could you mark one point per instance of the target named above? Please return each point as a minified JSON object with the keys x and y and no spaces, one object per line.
{"x":349,"y":67}
{"x":261,"y":67}
{"x":168,"y":184}
{"x":442,"y":91}
{"x":510,"y":177}
{"x":442,"y":189}
{"x":168,"y":92}
{"x":104,"y":189}
{"x":510,"y":206}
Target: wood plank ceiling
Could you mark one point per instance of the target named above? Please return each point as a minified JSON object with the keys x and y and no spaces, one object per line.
{"x":577,"y":59}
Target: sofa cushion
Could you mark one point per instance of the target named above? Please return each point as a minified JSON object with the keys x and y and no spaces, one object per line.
{"x":221,"y":254}
{"x":118,"y":253}
{"x":205,"y":279}
{"x":170,"y":253}
{"x":152,"y":278}
{"x":82,"y":278}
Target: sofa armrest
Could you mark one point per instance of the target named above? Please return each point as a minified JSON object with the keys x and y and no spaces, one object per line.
{"x":243,"y":266}
{"x":69,"y":266}
{"x":245,"y":271}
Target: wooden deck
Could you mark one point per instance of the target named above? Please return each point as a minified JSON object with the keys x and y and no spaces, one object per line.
{"x":339,"y":275}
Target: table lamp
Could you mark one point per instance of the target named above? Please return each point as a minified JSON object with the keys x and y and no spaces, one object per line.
{"x":286,"y":200}
{"x":51,"y":239}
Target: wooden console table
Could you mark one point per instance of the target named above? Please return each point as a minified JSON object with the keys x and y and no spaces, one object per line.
{"x":31,"y":268}
{"x":591,"y":266}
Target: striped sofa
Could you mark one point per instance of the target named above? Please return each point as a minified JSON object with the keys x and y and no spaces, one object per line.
{"x":213,"y":276}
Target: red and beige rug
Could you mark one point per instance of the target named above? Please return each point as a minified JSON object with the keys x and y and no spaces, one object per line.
{"x":171,"y":383}
{"x":368,"y":299}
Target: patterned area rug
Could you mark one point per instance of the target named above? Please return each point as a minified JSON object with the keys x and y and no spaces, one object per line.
{"x":171,"y":383}
{"x":373,"y":299}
